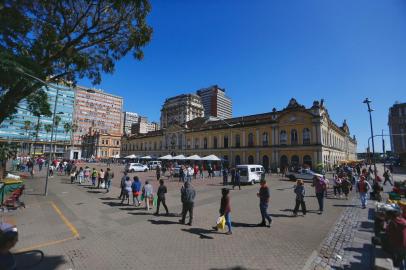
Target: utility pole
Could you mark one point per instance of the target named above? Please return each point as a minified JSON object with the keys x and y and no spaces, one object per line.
{"x":367,"y":101}
{"x":383,"y":153}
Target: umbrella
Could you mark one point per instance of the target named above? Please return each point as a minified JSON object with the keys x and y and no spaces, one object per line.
{"x":194,"y":157}
{"x":180,"y":157}
{"x":167,"y":157}
{"x":146,"y":157}
{"x":211,"y":158}
{"x":131,"y":156}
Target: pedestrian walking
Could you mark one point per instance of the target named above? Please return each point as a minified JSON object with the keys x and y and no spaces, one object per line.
{"x":158,"y":172}
{"x":362,"y":187}
{"x":237,"y":181}
{"x":264,"y":195}
{"x":346,"y":187}
{"x":225,"y":209}
{"x":188,"y":195}
{"x":337,"y":186}
{"x":225,"y":176}
{"x":94,"y":176}
{"x":320,"y":188}
{"x":201,"y":171}
{"x":122,"y":185}
{"x":147,"y":191}
{"x":387,"y":175}
{"x":232,"y":172}
{"x":162,"y":190}
{"x":182,"y":174}
{"x":72,"y":176}
{"x":109,"y":179}
{"x":127,"y":190}
{"x":136,"y":189}
{"x":209,"y":170}
{"x":300,"y":195}
{"x":87,"y":173}
{"x":100,"y":181}
{"x":81,"y":175}
{"x":195,"y":171}
{"x":189,"y":173}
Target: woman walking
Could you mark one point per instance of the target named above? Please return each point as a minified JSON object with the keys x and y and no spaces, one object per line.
{"x":225,"y":209}
{"x":127,"y":190}
{"x":346,"y":186}
{"x":101,"y":178}
{"x":81,"y":175}
{"x":147,"y":190}
{"x":300,"y":194}
{"x":136,"y":189}
{"x":337,"y":186}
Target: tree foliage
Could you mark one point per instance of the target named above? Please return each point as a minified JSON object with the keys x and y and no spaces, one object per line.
{"x":65,"y":40}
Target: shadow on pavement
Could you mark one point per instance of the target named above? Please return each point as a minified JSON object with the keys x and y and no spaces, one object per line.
{"x":140,"y":213}
{"x":108,"y":198}
{"x":344,"y":205}
{"x":202,"y":233}
{"x":243,"y":225}
{"x":95,"y":191}
{"x":162,"y":222}
{"x":232,"y":268}
{"x":113,"y":204}
{"x":364,"y":257}
{"x":35,"y":259}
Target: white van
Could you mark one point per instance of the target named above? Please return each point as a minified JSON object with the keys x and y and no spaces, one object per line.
{"x":153,"y":164}
{"x":251,"y":173}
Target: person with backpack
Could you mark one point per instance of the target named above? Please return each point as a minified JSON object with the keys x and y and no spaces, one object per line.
{"x":320,"y":188}
{"x":362,"y":188}
{"x":300,"y":194}
{"x":188,"y":195}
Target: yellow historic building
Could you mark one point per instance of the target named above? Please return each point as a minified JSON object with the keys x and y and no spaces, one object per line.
{"x":293,"y":136}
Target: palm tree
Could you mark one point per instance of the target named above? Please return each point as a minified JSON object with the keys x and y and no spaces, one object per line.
{"x":37,"y":128}
{"x":48,"y":128}
{"x":7,"y":151}
{"x":67,"y":127}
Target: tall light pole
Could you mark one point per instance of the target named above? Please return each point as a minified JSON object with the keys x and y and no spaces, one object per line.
{"x":367,"y":101}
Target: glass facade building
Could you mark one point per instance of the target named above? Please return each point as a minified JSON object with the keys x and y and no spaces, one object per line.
{"x":16,"y":127}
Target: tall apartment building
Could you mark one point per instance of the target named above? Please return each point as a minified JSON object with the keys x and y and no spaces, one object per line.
{"x":96,"y":110}
{"x":129,"y":118}
{"x":215,"y":102}
{"x":142,"y":126}
{"x":21,"y":127}
{"x":181,"y":109}
{"x":397,"y":125}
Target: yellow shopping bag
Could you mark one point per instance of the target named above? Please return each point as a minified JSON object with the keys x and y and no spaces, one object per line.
{"x":221,"y":223}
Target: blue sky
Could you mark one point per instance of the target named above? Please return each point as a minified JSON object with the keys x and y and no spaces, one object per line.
{"x":265,"y":52}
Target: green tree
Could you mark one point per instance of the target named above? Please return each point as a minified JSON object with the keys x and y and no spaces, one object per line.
{"x":61,"y":41}
{"x":7,"y":151}
{"x":47,"y":128}
{"x":67,"y":127}
{"x":27,"y":128}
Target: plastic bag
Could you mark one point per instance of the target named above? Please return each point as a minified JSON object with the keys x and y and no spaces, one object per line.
{"x":102,"y":185}
{"x":221,"y":223}
{"x":142,"y":197}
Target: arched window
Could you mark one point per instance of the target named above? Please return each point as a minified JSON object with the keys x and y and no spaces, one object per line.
{"x":283,"y":138}
{"x":284,"y":162}
{"x":294,"y":160}
{"x":237,"y":160}
{"x":307,"y":161}
{"x":250,"y":160}
{"x":197,"y":142}
{"x":265,"y":139}
{"x":237,"y":140}
{"x":306,"y":136}
{"x":215,"y":142}
{"x":293,"y":136}
{"x":265,"y":163}
{"x":250,"y":140}
{"x":205,"y":143}
{"x":225,"y":141}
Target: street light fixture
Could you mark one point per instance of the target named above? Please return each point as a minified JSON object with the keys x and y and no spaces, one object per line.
{"x":368,"y":102}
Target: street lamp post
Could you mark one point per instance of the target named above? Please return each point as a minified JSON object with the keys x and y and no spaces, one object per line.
{"x":367,"y":101}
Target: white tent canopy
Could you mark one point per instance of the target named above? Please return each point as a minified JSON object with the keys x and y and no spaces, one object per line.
{"x":167,"y":157}
{"x":211,"y":158}
{"x":179,"y":157}
{"x":116,"y":156}
{"x":193,"y":157}
{"x":146,"y":157}
{"x":131,"y":156}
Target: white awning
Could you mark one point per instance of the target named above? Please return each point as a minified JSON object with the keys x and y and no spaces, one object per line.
{"x":211,"y":158}
{"x":131,"y":156}
{"x":146,"y":157}
{"x":167,"y":157}
{"x":179,"y":157}
{"x":193,"y":157}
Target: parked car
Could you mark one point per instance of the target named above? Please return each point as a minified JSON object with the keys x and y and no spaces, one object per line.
{"x":153,"y":164}
{"x":251,"y":173}
{"x":304,"y":174}
{"x":136,"y":167}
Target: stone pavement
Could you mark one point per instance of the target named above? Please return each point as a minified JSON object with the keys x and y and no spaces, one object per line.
{"x":115,"y":236}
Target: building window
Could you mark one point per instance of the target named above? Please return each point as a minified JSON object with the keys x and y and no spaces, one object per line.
{"x":188,"y":144}
{"x":225,"y":141}
{"x":102,"y":141}
{"x":154,"y":145}
{"x":250,"y":140}
{"x":237,"y":160}
{"x":283,"y":139}
{"x":293,"y":136}
{"x":197,"y":142}
{"x":307,"y":161}
{"x":205,"y":143}
{"x":265,"y":139}
{"x":250,"y":160}
{"x":215,"y":142}
{"x":294,"y":161}
{"x":237,"y":140}
{"x":306,"y":136}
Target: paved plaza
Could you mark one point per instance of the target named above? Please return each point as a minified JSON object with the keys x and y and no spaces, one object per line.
{"x":78,"y":227}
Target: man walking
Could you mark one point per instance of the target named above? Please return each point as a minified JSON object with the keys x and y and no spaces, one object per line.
{"x":109,"y":178}
{"x":162,"y":190}
{"x":188,"y":195}
{"x":387,"y":175}
{"x":320,"y":188}
{"x":225,"y":176}
{"x":263,"y":196}
{"x":122,"y":182}
{"x":237,"y":181}
{"x":362,"y":188}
